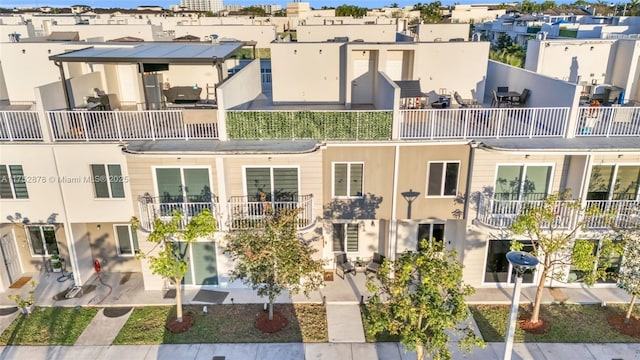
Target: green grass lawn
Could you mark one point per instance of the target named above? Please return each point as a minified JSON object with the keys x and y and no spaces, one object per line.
{"x":225,"y":324}
{"x":48,"y":326}
{"x":569,"y":324}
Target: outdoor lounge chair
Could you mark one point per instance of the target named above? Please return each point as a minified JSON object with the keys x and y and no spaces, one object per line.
{"x":375,"y":263}
{"x":344,"y":266}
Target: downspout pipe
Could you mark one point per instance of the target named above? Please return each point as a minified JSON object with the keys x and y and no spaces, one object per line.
{"x":144,"y":86}
{"x":65,"y":89}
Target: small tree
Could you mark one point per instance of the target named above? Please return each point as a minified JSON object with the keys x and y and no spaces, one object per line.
{"x":629,"y":275}
{"x":271,"y":259}
{"x":172,"y":261}
{"x":551,"y":230}
{"x":420,"y":297}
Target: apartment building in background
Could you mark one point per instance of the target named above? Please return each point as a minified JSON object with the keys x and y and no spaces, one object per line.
{"x":366,"y":137}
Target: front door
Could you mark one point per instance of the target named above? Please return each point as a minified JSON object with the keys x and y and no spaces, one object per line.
{"x":11,"y":257}
{"x":362,"y":84}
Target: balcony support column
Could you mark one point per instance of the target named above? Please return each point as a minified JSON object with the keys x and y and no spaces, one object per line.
{"x":65,"y":88}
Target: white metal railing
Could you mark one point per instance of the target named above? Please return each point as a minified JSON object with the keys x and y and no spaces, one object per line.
{"x":152,"y":208}
{"x":20,"y":126}
{"x":244,"y":214}
{"x":126,"y":125}
{"x":502,"y":213}
{"x":483,"y":122}
{"x":619,"y":213}
{"x":608,"y":121}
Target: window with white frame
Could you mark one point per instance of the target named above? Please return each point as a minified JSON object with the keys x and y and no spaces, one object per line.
{"x":608,"y":262}
{"x":107,"y":181}
{"x":432,"y":233}
{"x":614,"y":182}
{"x":272,"y":183}
{"x":347,"y":179}
{"x":522,"y":182}
{"x":126,"y":240}
{"x":345,"y":237}
{"x":42,"y":239}
{"x":442,"y":179}
{"x":498,"y":269}
{"x":12,"y":182}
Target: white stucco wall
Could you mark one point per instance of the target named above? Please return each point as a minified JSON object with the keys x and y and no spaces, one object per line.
{"x":442,"y":32}
{"x":368,"y":33}
{"x":241,"y":88}
{"x":262,"y":34}
{"x":109,"y":32}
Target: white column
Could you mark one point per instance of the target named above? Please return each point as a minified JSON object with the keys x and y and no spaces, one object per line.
{"x":513,"y":317}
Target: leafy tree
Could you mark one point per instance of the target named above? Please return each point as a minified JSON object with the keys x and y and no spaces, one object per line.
{"x":551,"y":233}
{"x":254,"y":10}
{"x":421,"y":298}
{"x":175,"y":238}
{"x":351,"y":10}
{"x":429,"y":13}
{"x":629,"y":274}
{"x":508,"y":52}
{"x":271,"y":258}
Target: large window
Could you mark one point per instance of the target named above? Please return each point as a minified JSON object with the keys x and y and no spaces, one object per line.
{"x":594,"y":247}
{"x":126,"y":240}
{"x":272,"y":183}
{"x":42,"y":240}
{"x":107,"y":181}
{"x":433,"y":233}
{"x":498,"y":269}
{"x":442,"y":179}
{"x":347,"y":179}
{"x":345,"y":237}
{"x":614,"y":182}
{"x":522,"y":182}
{"x":186,"y":190}
{"x":12,"y":182}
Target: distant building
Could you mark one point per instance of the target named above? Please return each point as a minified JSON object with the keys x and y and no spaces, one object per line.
{"x":202,"y":5}
{"x":79,"y":9}
{"x":149,"y":8}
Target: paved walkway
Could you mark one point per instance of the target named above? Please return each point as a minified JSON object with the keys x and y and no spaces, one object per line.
{"x":322,"y":351}
{"x":104,"y":327}
{"x":344,"y":323}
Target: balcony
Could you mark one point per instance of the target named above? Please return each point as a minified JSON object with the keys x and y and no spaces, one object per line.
{"x":245,"y":214}
{"x":618,"y":213}
{"x":483,"y":123}
{"x":162,"y":208}
{"x":20,"y":126}
{"x":502,"y":213}
{"x":608,"y":121}
{"x":128,"y":125}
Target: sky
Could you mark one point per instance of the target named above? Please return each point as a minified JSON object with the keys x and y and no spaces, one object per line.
{"x":127,"y":4}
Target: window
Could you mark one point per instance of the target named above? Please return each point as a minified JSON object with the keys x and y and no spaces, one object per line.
{"x":345,"y":237}
{"x":595,"y":248}
{"x":107,"y":181}
{"x":126,"y":240}
{"x":442,"y":179}
{"x":433,"y":233}
{"x":12,"y":184}
{"x":42,"y":239}
{"x":272,"y":184}
{"x":614,"y":182}
{"x":347,"y":179}
{"x":522,"y":182}
{"x":498,"y":269}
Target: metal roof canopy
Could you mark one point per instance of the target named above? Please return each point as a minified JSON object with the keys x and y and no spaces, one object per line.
{"x":152,"y":53}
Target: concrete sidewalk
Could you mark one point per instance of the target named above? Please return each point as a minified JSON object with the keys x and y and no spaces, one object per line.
{"x":321,"y":351}
{"x":104,"y":327}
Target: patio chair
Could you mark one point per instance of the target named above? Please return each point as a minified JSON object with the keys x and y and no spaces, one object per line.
{"x":503,"y":89}
{"x":496,"y":101}
{"x":522,"y":100}
{"x":375,"y":263}
{"x":344,"y":266}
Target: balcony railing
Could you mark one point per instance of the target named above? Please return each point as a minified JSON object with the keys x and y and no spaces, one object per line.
{"x":245,"y":214}
{"x":483,"y":123}
{"x":608,"y":121}
{"x":20,"y":126}
{"x":126,"y":125}
{"x":152,"y":208}
{"x":502,"y":213}
{"x":618,"y":213}
{"x":320,"y":125}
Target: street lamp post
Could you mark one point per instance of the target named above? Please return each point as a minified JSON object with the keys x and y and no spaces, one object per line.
{"x":410,"y":196}
{"x":521,"y":262}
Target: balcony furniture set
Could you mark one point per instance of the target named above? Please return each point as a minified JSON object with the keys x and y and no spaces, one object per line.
{"x":345,"y":266}
{"x":502,"y":96}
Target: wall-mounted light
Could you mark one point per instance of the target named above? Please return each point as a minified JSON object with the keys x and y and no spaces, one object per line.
{"x":591,"y":48}
{"x":295,"y":52}
{"x":547,"y":44}
{"x":364,"y":52}
{"x":620,"y":156}
{"x":320,"y":51}
{"x":373,"y":223}
{"x":566,"y":48}
{"x":98,"y":226}
{"x":24,"y":51}
{"x":526,"y":156}
{"x":49,"y":51}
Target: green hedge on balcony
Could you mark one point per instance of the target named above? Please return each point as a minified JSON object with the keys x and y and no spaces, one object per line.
{"x":319,"y":125}
{"x":568,"y":33}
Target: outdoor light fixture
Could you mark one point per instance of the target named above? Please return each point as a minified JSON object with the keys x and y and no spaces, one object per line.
{"x":566,"y":48}
{"x":24,"y":51}
{"x":295,"y":52}
{"x":591,"y":48}
{"x":520,"y":261}
{"x":320,"y":51}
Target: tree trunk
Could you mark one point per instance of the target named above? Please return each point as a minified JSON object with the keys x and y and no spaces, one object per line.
{"x":535,"y":314}
{"x":628,"y":316}
{"x":178,"y":301}
{"x":270,"y":309}
{"x":419,"y":352}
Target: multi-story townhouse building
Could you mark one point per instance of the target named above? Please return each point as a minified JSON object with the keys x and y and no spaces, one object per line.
{"x":371,"y":171}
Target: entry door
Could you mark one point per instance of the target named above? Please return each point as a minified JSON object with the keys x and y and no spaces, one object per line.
{"x":202,"y":266}
{"x":11,"y":259}
{"x":362,"y":84}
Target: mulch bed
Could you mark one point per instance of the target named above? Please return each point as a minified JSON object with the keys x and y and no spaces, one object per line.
{"x":265,"y":325}
{"x":524,"y":322}
{"x":616,"y":321}
{"x":179,"y":327}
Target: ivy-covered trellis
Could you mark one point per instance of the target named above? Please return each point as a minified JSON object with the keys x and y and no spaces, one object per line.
{"x":319,"y":125}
